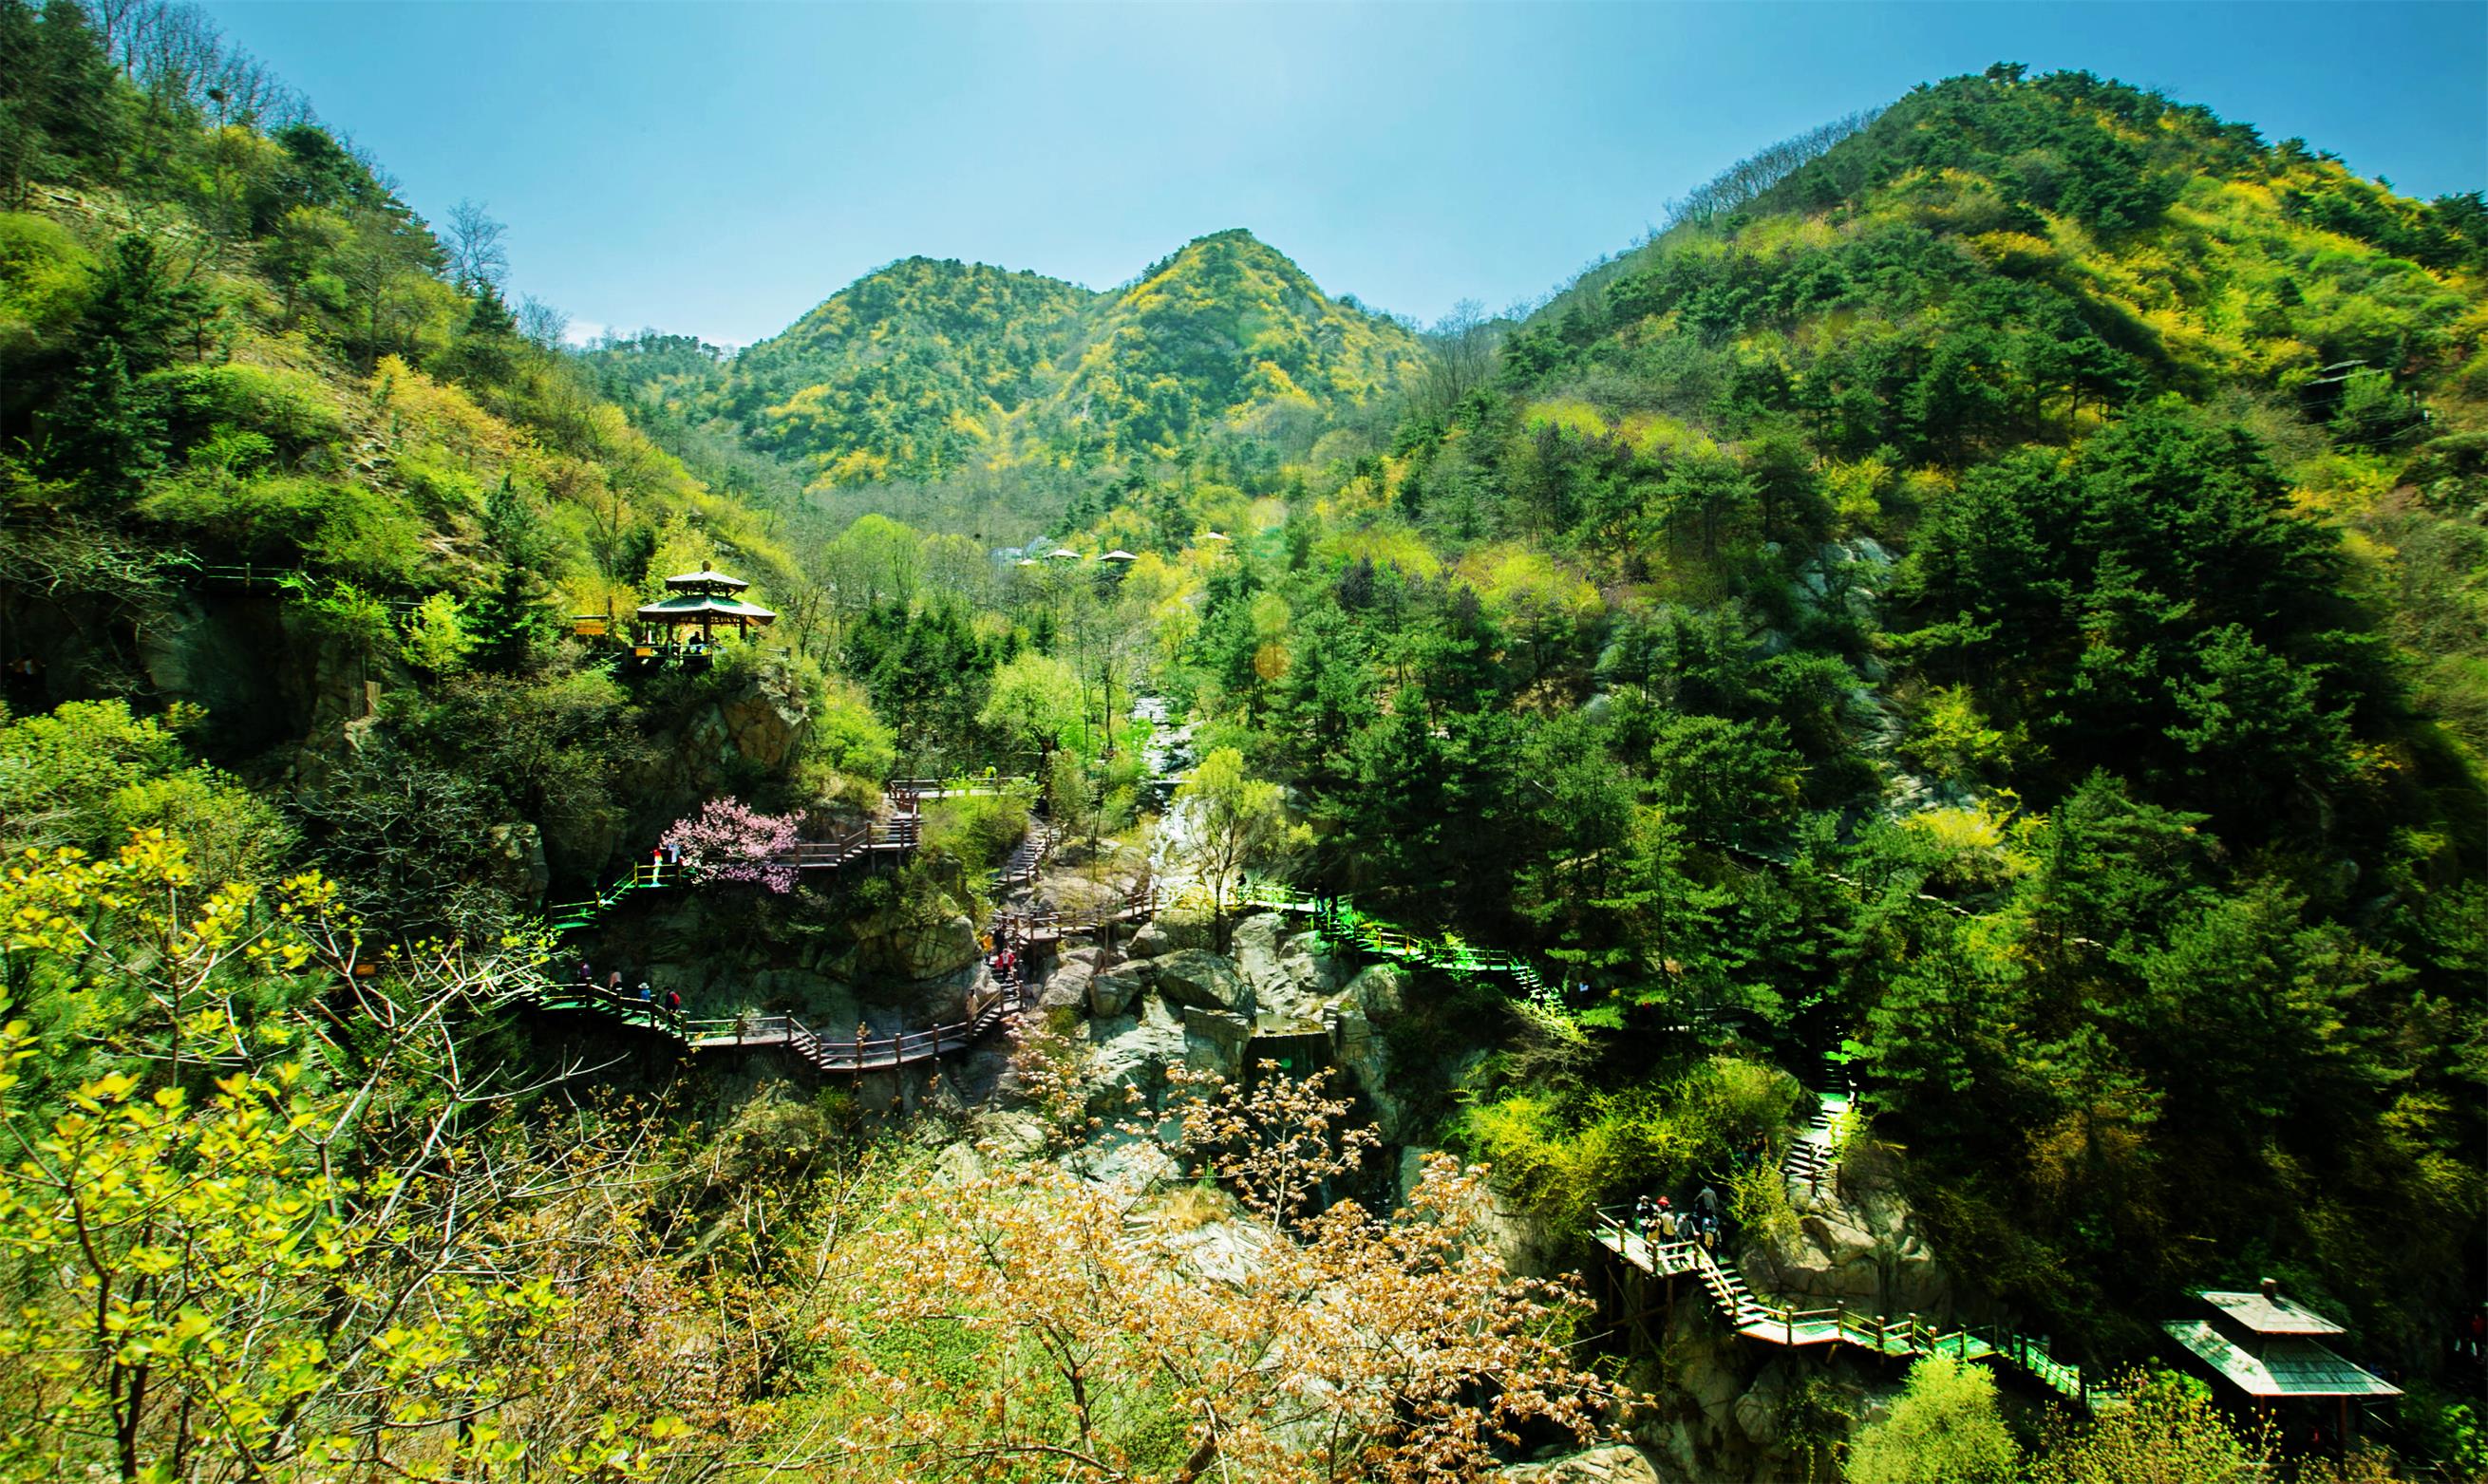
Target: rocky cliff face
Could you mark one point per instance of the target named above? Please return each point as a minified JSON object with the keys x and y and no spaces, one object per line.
{"x":1855,"y":1244}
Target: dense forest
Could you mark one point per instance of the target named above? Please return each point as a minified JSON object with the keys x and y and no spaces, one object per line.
{"x":1989,"y":604}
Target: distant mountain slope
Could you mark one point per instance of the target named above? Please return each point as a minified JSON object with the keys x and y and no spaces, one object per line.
{"x":927,"y":369}
{"x":1227,"y":335}
{"x":1997,"y":259}
{"x":913,"y":370}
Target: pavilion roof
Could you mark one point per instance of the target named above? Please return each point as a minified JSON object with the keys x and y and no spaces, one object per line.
{"x":2289,"y":1365}
{"x":704,"y":578}
{"x":694,"y":607}
{"x":2272,"y":1314}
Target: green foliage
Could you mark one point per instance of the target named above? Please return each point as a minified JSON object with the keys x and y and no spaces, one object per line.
{"x":438,"y":638}
{"x":1943,"y":1430}
{"x":848,"y":739}
{"x":2169,"y":1432}
{"x":929,"y":369}
{"x":981,"y":829}
{"x":1034,"y":702}
{"x":89,"y":772}
{"x":1566,"y":1153}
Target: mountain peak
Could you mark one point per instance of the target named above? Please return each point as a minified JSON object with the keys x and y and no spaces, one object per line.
{"x":928,"y":366}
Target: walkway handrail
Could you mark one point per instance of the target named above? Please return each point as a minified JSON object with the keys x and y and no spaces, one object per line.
{"x":1141,"y":901}
{"x":1780,"y":1322}
{"x":1337,"y":919}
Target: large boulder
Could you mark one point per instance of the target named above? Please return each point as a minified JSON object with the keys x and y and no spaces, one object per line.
{"x":517,"y":859}
{"x":1292,"y":978}
{"x":1068,"y":988}
{"x":1360,"y":1051}
{"x":1618,"y":1464}
{"x":1194,"y":977}
{"x":1760,"y":1410}
{"x":767,"y":721}
{"x":1711,"y":1380}
{"x":1133,"y":1056}
{"x":1855,"y":1244}
{"x":1133,"y":1164}
{"x":1170,"y":931}
{"x":1381,"y":991}
{"x":1111,"y":993}
{"x":931,"y":953}
{"x":1215,"y":1041}
{"x":1254,"y":945}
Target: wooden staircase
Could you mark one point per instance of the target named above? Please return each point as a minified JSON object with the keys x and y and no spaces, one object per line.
{"x":1813,"y":1153}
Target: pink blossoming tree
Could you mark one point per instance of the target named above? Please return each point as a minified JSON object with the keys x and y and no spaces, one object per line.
{"x":731,"y":841}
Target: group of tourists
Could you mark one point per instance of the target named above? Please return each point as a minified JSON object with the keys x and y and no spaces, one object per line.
{"x":645,"y":997}
{"x":1008,"y":961}
{"x":1656,"y":1219}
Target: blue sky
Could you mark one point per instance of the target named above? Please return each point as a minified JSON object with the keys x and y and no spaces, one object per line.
{"x":717,"y":169}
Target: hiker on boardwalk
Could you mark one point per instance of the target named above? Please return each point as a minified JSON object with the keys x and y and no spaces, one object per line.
{"x":1706,"y":1204}
{"x":1645,"y":1217}
{"x":674,"y":1007}
{"x":613,"y":984}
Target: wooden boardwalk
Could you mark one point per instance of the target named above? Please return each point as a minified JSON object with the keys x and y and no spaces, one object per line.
{"x":858,"y":1054}
{"x":1786,"y":1324}
{"x":1051,"y":925}
{"x":851,"y":1056}
{"x":1339,"y":923}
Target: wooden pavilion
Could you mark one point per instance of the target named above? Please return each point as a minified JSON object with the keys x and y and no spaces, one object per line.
{"x":2267,"y":1348}
{"x":704,"y":600}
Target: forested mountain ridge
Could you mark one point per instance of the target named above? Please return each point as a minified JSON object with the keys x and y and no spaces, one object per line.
{"x":913,"y":370}
{"x":1988,"y":603}
{"x":930,"y":369}
{"x":274,"y":449}
{"x":2046,"y":497}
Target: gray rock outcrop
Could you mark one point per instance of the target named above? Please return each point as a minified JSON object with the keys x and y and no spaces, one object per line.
{"x":1199,"y":978}
{"x":1133,"y":1054}
{"x":1170,"y":931}
{"x":1616,"y":1464}
{"x":1855,"y":1243}
{"x":1215,"y":1041}
{"x":1111,"y":994}
{"x":1068,"y":988}
{"x":1292,"y":978}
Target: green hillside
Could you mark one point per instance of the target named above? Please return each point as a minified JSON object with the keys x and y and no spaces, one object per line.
{"x":1226,"y":338}
{"x":929,"y":370}
{"x":276,"y":454}
{"x":1985,"y":614}
{"x":916,"y":369}
{"x":2047,"y":500}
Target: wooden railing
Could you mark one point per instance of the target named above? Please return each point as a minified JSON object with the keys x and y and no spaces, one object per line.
{"x":1337,"y":920}
{"x":1029,"y":926}
{"x":858,"y":1052}
{"x":1787,"y":1325}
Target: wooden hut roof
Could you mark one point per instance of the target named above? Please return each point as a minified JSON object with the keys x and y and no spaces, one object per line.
{"x":2272,"y":1314}
{"x":2287,"y":1365}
